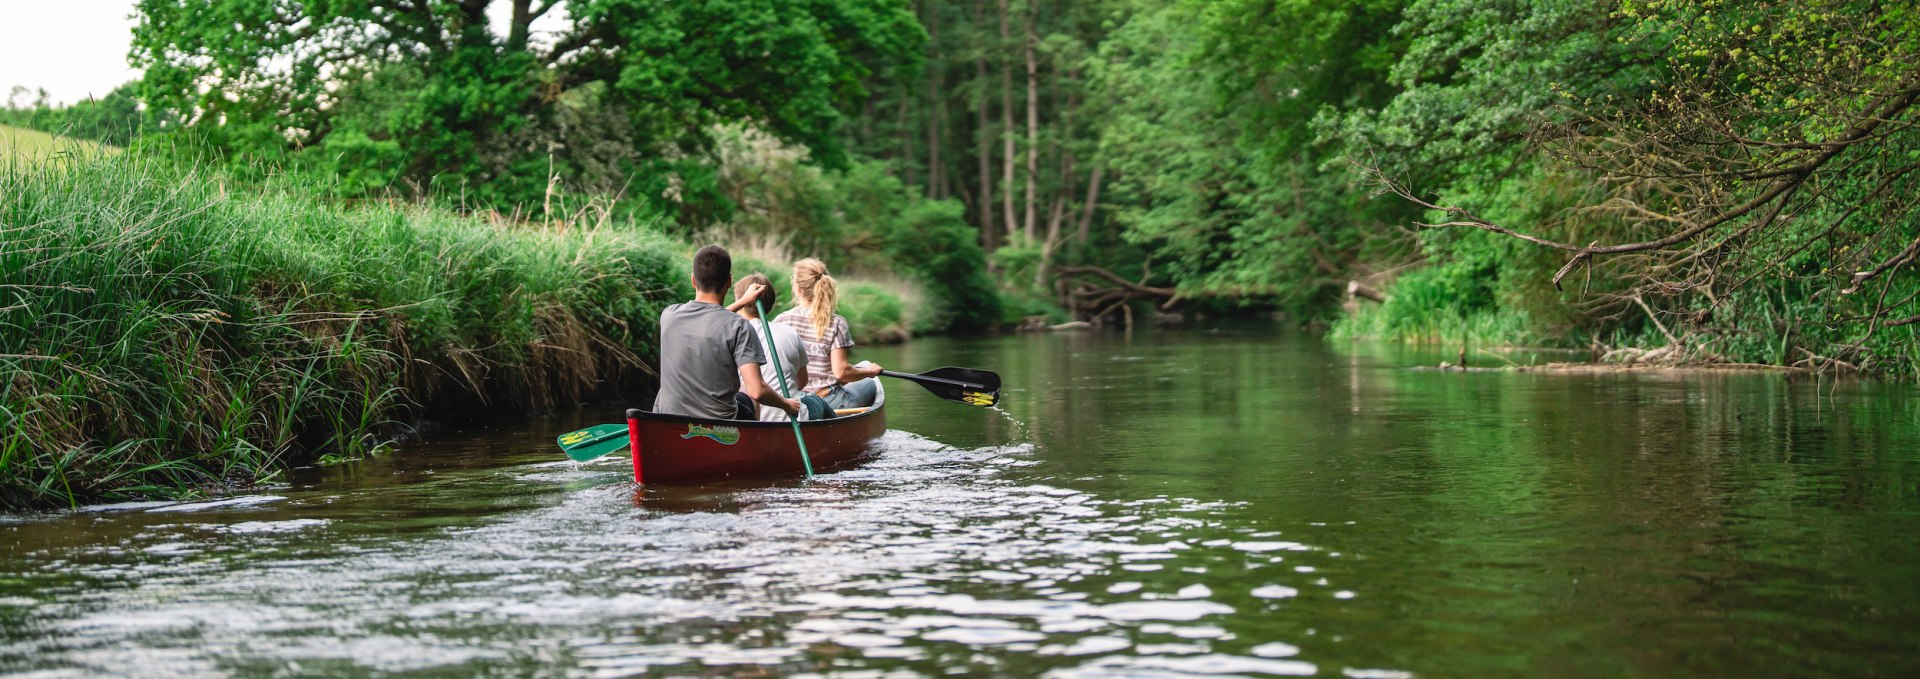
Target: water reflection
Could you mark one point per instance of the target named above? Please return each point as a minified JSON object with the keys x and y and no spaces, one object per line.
{"x":927,"y":557}
{"x":1167,"y":504}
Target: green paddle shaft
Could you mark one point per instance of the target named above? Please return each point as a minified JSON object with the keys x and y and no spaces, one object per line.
{"x":781,"y":373}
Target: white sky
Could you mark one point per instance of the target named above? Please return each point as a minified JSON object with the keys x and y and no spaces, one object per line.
{"x":73,"y":48}
{"x":78,"y":48}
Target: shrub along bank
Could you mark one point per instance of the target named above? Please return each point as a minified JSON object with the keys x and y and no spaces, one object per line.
{"x":161,"y":332}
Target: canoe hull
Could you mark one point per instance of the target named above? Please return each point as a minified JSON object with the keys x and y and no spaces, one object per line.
{"x":670,"y":449}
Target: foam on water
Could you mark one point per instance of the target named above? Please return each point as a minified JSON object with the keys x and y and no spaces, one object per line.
{"x":925,"y":554}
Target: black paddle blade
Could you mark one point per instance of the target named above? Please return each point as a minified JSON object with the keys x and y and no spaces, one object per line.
{"x":976,"y":388}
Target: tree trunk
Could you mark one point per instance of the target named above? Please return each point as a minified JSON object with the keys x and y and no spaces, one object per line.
{"x":1054,"y":216}
{"x":1033,"y":123}
{"x":906,"y":137}
{"x":1093,"y":201}
{"x":866,"y":120}
{"x":522,"y":23}
{"x":1006,"y":127}
{"x":1058,"y":213}
{"x":933,"y":100}
{"x":946,"y":128}
{"x":989,"y":238}
{"x":1063,"y":154}
{"x":472,"y":14}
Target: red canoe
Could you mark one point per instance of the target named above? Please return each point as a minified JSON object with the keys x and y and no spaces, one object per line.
{"x":678,"y":449}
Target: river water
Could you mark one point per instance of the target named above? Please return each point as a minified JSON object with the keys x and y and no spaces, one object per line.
{"x":1226,"y":502}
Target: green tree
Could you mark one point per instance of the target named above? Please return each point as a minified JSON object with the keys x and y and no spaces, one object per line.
{"x":114,"y":119}
{"x":424,"y":92}
{"x":1206,"y":121}
{"x":1754,"y":197}
{"x":1472,"y":84}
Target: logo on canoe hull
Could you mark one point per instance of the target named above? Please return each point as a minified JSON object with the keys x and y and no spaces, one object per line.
{"x":726,"y":436}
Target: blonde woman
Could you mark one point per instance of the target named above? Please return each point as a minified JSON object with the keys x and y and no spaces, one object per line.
{"x":825,"y":335}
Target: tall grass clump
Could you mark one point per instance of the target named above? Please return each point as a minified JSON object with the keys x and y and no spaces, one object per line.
{"x":1428,"y":306}
{"x":162,"y":332}
{"x":1473,"y":287}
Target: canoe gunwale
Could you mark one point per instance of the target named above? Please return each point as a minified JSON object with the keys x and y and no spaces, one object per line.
{"x":680,"y":449}
{"x":650,"y":416}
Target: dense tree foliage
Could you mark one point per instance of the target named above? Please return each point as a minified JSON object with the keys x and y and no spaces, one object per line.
{"x":1754,"y":198}
{"x":114,"y":119}
{"x":1242,"y":203}
{"x":1731,"y":177}
{"x":421,"y":92}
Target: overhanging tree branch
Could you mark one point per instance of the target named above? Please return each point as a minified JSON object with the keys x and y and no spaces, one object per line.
{"x":1783,"y":181}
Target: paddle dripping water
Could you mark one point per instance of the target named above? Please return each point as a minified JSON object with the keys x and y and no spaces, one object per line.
{"x":1019,"y":428}
{"x":1174,"y":504}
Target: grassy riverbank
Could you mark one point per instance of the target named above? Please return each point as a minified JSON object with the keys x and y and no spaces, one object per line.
{"x":1481,"y":289}
{"x":164,"y":330}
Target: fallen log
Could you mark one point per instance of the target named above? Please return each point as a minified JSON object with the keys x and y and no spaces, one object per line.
{"x":1359,"y":290}
{"x":1117,"y":280}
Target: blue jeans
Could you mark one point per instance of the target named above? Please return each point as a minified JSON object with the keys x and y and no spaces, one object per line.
{"x":859,"y":394}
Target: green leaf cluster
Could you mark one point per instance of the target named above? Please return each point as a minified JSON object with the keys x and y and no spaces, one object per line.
{"x":427,"y":95}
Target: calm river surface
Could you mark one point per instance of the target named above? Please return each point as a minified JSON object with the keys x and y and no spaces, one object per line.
{"x":1234,"y":502}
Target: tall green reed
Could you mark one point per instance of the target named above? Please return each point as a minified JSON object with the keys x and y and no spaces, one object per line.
{"x":165,"y":331}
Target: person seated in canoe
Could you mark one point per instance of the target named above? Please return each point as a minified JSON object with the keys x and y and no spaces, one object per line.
{"x":756,"y":287}
{"x":825,"y":334}
{"x":709,"y":360}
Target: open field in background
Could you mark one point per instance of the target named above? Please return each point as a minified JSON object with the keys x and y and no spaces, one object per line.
{"x":19,"y":143}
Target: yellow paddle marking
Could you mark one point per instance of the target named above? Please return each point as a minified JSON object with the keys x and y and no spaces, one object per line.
{"x":976,"y":398}
{"x":575,"y":437}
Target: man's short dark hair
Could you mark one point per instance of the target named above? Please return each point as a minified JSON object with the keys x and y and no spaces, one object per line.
{"x":767,"y":297}
{"x":712,"y":267}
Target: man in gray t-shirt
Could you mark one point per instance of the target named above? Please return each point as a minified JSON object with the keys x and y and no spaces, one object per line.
{"x":709,"y":363}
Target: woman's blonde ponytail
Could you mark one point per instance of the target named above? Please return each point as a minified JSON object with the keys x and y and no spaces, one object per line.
{"x":816,"y":290}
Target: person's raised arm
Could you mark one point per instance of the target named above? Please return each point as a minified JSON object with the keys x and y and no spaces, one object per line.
{"x":763,"y":394}
{"x":746,"y":300}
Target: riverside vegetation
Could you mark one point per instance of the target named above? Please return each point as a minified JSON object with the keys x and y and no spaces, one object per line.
{"x":1711,"y":180}
{"x":1727,"y":180}
{"x":165,"y":330}
{"x":1730,"y":180}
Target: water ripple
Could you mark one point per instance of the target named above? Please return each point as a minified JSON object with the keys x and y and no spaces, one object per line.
{"x":925,"y":557}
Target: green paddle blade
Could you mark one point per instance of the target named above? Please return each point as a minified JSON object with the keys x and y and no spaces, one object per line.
{"x":593,"y":441}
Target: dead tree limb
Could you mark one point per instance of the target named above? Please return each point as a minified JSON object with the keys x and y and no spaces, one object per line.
{"x":1115,"y":278}
{"x":1781,"y":181}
